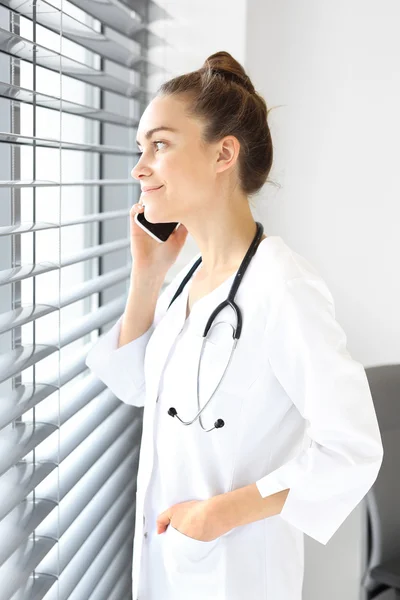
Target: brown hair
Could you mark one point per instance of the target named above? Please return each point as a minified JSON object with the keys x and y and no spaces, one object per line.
{"x":222,"y":95}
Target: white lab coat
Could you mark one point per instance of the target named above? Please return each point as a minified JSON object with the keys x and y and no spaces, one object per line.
{"x":298,"y":414}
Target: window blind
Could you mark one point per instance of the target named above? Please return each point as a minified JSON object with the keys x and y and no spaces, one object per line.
{"x":73,"y":82}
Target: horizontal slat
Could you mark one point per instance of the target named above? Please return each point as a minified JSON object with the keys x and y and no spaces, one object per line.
{"x":71,"y":29}
{"x":17,"y":483}
{"x":81,"y":515}
{"x":24,"y":437}
{"x":42,"y":583}
{"x":102,"y":316}
{"x":32,"y":395}
{"x":112,"y":531}
{"x":28,"y":516}
{"x":15,"y":573}
{"x":103,"y":406}
{"x":15,"y":45}
{"x":19,"y":183}
{"x":119,"y":537}
{"x":40,"y":586}
{"x":106,"y":517}
{"x":28,"y":227}
{"x":75,"y":399}
{"x":147,"y":10}
{"x":24,"y":140}
{"x":114,"y":14}
{"x":118,"y":433}
{"x":22,"y":316}
{"x":109,"y":581}
{"x":108,"y":435}
{"x":21,"y":399}
{"x":148,"y":39}
{"x":29,"y":395}
{"x":27,"y":314}
{"x":19,"y":524}
{"x":124,"y":588}
{"x":27,"y":271}
{"x":13,"y":92}
{"x":113,"y":462}
{"x":18,"y":359}
{"x":16,"y":442}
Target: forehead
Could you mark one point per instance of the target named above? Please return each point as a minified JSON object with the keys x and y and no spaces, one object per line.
{"x":166,"y":111}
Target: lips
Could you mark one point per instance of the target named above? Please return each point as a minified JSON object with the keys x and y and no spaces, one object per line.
{"x":150,"y":188}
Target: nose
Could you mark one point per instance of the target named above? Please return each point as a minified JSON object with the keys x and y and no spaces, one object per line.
{"x":140,"y":169}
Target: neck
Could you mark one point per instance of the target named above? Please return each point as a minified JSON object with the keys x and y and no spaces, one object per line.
{"x":224,"y":241}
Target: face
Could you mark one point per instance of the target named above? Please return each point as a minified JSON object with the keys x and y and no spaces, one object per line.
{"x":178,"y":161}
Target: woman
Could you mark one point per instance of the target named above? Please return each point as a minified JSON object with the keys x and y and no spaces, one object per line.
{"x":221,"y":512}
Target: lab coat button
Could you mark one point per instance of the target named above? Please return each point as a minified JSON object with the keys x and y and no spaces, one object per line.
{"x":145,"y":534}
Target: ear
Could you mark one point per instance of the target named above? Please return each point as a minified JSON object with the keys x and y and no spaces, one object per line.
{"x":227,"y":153}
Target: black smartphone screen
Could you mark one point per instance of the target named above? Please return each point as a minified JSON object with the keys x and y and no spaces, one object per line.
{"x":161,"y":230}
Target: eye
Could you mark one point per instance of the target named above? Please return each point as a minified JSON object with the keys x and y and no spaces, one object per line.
{"x":155,"y":142}
{"x":159,"y":142}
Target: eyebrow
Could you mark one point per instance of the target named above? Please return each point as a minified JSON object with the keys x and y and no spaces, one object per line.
{"x":149,"y":133}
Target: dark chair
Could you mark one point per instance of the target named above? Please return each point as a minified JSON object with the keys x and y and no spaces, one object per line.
{"x":382,"y":502}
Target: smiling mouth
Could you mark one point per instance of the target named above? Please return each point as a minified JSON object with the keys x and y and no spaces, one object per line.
{"x":151,"y":191}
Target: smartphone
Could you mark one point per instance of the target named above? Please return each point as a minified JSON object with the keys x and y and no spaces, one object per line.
{"x":158,"y":231}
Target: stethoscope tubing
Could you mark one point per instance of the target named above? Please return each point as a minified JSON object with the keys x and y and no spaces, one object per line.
{"x":215,"y":390}
{"x":236,"y":330}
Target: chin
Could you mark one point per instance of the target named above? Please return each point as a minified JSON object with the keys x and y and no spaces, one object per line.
{"x":154,"y":216}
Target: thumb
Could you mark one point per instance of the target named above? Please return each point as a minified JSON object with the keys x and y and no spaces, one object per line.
{"x":163,"y":521}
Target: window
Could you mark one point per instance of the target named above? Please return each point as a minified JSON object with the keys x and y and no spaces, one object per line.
{"x":73,"y":83}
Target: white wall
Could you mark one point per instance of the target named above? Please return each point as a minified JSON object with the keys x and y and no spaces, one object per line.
{"x":332,"y":71}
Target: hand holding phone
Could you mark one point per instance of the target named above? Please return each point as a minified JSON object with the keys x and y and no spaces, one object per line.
{"x":158,"y":231}
{"x":154,"y":246}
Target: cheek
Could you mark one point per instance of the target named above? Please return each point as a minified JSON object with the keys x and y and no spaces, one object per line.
{"x":188,"y":181}
{"x":186,"y":167}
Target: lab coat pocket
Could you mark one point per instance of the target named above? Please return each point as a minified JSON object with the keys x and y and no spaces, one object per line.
{"x":192,"y":566}
{"x":190,"y":548}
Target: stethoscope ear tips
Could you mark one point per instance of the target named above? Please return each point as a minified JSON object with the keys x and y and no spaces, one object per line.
{"x":172,"y":411}
{"x":219,"y":423}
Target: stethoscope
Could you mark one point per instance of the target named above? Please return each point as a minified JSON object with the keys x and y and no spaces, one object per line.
{"x":236,"y":330}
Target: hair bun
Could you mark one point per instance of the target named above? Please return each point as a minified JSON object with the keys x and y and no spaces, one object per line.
{"x":231,"y":76}
{"x":225,"y":65}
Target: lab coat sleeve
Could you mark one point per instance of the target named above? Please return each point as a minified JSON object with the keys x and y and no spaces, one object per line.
{"x":306,"y":348}
{"x":122,"y":369}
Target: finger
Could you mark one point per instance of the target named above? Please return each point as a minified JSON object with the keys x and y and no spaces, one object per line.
{"x":163,"y":521}
{"x":162,"y":528}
